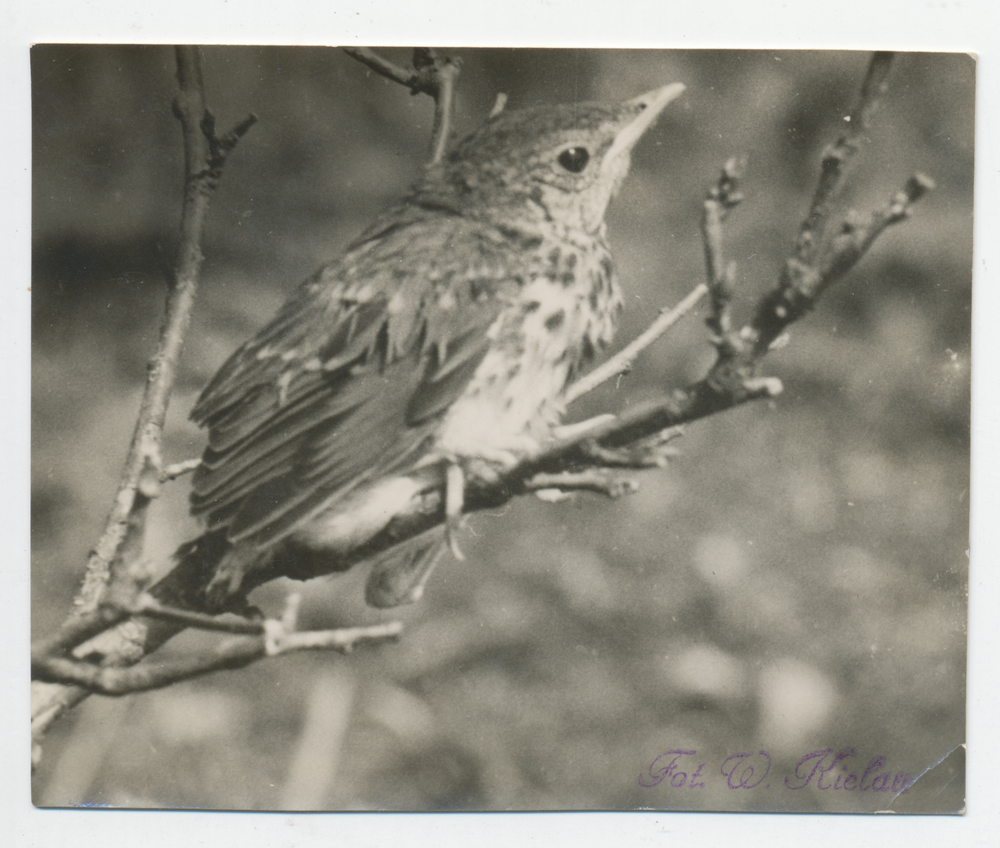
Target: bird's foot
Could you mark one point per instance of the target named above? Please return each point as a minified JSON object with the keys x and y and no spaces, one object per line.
{"x":652,"y":452}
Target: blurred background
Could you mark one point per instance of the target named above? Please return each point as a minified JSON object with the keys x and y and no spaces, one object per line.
{"x":795,"y":581}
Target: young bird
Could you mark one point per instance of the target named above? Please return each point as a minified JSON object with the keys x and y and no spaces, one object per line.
{"x":443,"y":339}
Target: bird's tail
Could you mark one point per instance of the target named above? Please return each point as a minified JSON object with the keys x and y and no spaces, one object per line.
{"x":399,"y":575}
{"x":210,"y":572}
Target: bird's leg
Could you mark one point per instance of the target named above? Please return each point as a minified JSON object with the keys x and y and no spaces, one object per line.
{"x":454,"y":502}
{"x":652,"y":452}
{"x":476,"y":460}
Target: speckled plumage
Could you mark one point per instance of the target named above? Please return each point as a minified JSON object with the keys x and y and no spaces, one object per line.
{"x":446,"y":333}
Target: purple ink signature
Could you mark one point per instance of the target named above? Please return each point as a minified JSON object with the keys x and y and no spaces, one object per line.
{"x":681,"y":769}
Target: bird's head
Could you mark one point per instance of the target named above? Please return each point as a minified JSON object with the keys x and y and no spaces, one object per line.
{"x":558,"y":163}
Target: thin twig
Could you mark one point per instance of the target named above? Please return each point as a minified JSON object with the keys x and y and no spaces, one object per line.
{"x":225,"y":623}
{"x":230,"y":654}
{"x":498,"y":105}
{"x":290,"y":614}
{"x":444,"y":109}
{"x":837,"y":155}
{"x":621,"y":362}
{"x":722,"y":197}
{"x":801,"y":284}
{"x":179,"y":469}
{"x":431,"y":74}
{"x":816,"y":263}
{"x":76,"y":631}
{"x":390,"y":70}
{"x":857,"y":236}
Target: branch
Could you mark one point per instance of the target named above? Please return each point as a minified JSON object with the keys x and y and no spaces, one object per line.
{"x":431,"y":74}
{"x":408,"y":77}
{"x":272,"y":640}
{"x":204,"y":157}
{"x":837,"y":156}
{"x":275,"y":637}
{"x":119,"y":547}
{"x":801,"y":284}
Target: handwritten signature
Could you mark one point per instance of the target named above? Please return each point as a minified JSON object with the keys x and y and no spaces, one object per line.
{"x":681,"y":769}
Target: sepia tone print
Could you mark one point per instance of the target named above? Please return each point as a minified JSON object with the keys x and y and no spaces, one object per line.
{"x":523,"y":429}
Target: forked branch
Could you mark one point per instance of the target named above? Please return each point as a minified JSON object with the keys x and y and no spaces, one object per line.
{"x":431,"y":74}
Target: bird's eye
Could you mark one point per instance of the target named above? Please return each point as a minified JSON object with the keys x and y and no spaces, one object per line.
{"x":574,"y":159}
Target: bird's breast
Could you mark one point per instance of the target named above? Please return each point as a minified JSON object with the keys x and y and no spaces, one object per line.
{"x":563,"y":312}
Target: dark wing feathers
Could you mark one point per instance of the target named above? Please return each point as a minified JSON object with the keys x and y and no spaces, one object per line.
{"x":335,"y":457}
{"x":258,"y":363}
{"x":233,"y":474}
{"x":350,"y":378}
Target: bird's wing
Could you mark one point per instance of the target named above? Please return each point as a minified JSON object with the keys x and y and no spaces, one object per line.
{"x":349,"y":380}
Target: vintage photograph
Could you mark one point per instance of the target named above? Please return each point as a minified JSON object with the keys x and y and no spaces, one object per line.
{"x":463,"y":429}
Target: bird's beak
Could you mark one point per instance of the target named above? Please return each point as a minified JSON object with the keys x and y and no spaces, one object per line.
{"x":649,"y":105}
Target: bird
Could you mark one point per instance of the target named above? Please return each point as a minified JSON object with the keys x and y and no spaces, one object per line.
{"x":442,"y":340}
